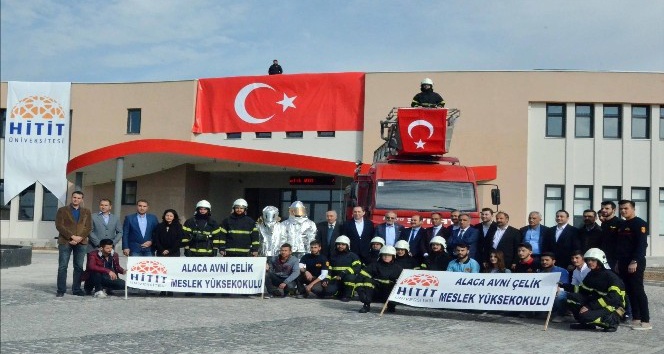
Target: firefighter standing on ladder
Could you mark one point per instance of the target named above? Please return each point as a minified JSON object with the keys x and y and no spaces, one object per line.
{"x":239,"y":234}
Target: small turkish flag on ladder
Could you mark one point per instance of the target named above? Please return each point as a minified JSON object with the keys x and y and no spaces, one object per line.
{"x":422,"y":130}
{"x":276,"y":103}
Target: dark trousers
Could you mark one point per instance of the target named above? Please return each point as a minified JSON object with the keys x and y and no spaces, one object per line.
{"x":635,"y":290}
{"x":273,"y":281}
{"x":345,"y":286}
{"x":64,"y":253}
{"x":100,"y":281}
{"x":600,"y":317}
{"x":372,"y":291}
{"x":317,"y":289}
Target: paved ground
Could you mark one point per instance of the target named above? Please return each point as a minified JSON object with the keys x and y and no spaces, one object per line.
{"x":33,"y":320}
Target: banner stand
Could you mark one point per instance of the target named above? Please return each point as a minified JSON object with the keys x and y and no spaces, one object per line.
{"x":384,"y":307}
{"x":264,"y":286}
{"x":546,"y":324}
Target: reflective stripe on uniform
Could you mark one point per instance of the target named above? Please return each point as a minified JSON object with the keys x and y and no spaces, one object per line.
{"x":237,"y":250}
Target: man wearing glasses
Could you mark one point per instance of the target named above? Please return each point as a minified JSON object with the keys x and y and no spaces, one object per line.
{"x":390,"y":230}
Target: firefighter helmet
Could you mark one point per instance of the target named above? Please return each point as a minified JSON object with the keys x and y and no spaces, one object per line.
{"x":402,"y":244}
{"x":297,"y":209}
{"x":270,"y":214}
{"x":241,"y":203}
{"x":378,"y":239}
{"x":343,"y":239}
{"x":427,"y":81}
{"x":439,"y":240}
{"x":597,"y":254}
{"x":388,"y":250}
{"x":204,"y":204}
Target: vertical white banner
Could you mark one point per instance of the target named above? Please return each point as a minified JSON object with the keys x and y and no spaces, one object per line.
{"x":37,"y":137}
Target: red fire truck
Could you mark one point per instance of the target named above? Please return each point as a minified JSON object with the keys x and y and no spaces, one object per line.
{"x":410,"y":173}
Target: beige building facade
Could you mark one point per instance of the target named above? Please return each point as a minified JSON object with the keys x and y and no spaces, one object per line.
{"x":560,"y":140}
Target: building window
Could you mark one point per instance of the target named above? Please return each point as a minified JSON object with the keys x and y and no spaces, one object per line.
{"x":640,"y":199}
{"x":583,"y":199}
{"x":26,"y":204}
{"x":612,"y":194}
{"x":661,"y":123}
{"x":554,"y":200}
{"x":317,"y":201}
{"x":661,"y":211}
{"x":326,"y":134}
{"x":612,"y":122}
{"x":50,"y":206}
{"x":263,"y":135}
{"x":233,"y":135}
{"x":134,"y":121}
{"x":297,"y":135}
{"x":129,"y":193}
{"x":4,"y":209}
{"x":640,"y":122}
{"x":584,"y":121}
{"x":555,"y":120}
{"x":3,"y":114}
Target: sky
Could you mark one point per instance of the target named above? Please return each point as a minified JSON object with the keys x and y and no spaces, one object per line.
{"x":164,"y":40}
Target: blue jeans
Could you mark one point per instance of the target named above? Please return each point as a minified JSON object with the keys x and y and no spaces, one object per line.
{"x":64,"y":252}
{"x":144,"y":252}
{"x":560,"y":303}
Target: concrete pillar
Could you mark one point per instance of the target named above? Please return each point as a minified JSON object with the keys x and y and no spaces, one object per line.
{"x":78,"y":183}
{"x":119,"y":176}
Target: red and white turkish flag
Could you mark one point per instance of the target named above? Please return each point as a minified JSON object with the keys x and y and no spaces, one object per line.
{"x":276,"y":103}
{"x":422,"y":130}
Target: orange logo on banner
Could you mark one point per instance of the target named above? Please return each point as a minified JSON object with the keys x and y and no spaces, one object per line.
{"x":37,"y":107}
{"x":149,"y":267}
{"x":421,"y":280}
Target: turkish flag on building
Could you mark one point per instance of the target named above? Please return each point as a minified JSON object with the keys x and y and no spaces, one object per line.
{"x":422,"y":130}
{"x":277,"y":103}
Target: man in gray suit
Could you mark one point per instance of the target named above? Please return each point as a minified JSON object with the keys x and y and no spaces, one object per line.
{"x":104,"y":225}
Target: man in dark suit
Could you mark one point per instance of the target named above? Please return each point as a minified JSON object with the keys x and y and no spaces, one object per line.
{"x":327,"y":232}
{"x":137,"y":231}
{"x":437,"y":228}
{"x":534,"y":233}
{"x":390,"y":230}
{"x":464,"y":235}
{"x":562,"y":240}
{"x":104,"y":226}
{"x":416,"y":237}
{"x":449,"y":230}
{"x":487,"y":228}
{"x":506,"y":238}
{"x":360,"y":232}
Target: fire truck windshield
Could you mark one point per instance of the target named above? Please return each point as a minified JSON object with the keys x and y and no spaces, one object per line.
{"x":425,"y":196}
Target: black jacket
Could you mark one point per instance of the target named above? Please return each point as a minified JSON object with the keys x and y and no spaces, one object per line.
{"x":170,"y":240}
{"x":201,"y":237}
{"x":239,"y":235}
{"x":437,"y":261}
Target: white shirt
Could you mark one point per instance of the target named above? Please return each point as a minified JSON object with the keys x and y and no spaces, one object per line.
{"x":579,"y":275}
{"x":142,"y":223}
{"x":559,"y":230}
{"x":497,"y":236}
{"x":359,"y":226}
{"x":390,"y":234}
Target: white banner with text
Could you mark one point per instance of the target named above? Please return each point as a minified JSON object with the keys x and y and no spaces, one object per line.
{"x":476,"y":291}
{"x":37,"y":137}
{"x":228,"y":275}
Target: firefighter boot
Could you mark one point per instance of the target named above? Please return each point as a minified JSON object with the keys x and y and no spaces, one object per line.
{"x":365,"y":308}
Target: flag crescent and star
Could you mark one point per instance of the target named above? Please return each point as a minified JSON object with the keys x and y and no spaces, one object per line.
{"x":420,"y":122}
{"x":309,"y":102}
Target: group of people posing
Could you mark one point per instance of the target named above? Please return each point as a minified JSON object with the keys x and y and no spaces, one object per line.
{"x":358,"y":258}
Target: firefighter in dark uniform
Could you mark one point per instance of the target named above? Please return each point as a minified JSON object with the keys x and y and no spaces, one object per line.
{"x":599,"y":301}
{"x":376,"y":280}
{"x":438,"y":259}
{"x":239,"y":234}
{"x":344,"y":267}
{"x":201,"y":233}
{"x":427,"y":97}
{"x":377,"y":243}
{"x":404,"y":258}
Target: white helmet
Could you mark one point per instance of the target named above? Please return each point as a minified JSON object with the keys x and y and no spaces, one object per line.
{"x":402,"y":244}
{"x":297,"y":208}
{"x":343,"y":239}
{"x":427,"y":81}
{"x":388,"y":250}
{"x":378,"y":239}
{"x":204,"y":204}
{"x":439,"y":240}
{"x":240,"y":202}
{"x":599,"y":255}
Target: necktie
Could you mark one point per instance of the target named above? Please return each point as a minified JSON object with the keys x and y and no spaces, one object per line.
{"x":412,"y":235}
{"x":461,"y":234}
{"x":330,"y":230}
